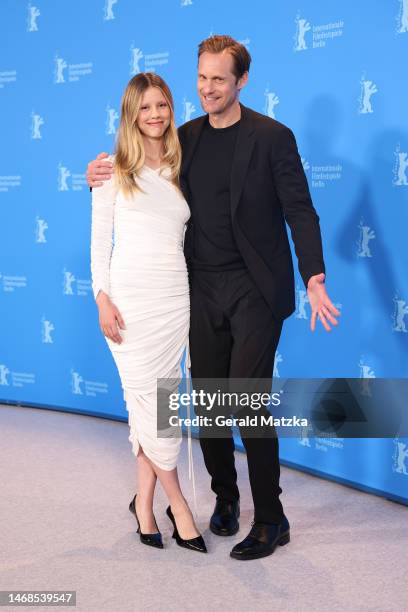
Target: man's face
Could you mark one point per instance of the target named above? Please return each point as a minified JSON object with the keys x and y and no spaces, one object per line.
{"x":216,"y":83}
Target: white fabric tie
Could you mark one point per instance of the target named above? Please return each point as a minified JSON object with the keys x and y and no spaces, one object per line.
{"x":191,"y":475}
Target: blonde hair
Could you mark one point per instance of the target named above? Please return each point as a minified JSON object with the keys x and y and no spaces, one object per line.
{"x":129,"y":151}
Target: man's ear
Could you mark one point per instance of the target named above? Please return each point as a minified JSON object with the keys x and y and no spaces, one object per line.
{"x":243,"y":80}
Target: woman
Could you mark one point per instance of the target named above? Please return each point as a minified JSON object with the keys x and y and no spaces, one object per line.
{"x":141,"y":289}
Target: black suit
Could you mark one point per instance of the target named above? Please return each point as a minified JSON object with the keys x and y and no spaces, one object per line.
{"x":237,"y":315}
{"x":268,"y":187}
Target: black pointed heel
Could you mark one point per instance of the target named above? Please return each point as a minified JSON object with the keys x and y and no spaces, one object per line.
{"x":150,"y":539}
{"x":196,"y":543}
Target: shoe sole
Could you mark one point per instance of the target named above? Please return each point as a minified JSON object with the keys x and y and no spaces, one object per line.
{"x":182,"y":545}
{"x":151,"y":545}
{"x":223,"y":533}
{"x":285,"y":539}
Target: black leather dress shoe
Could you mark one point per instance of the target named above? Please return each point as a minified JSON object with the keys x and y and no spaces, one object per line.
{"x":224,"y":521}
{"x":262,"y":540}
{"x":151,"y":539}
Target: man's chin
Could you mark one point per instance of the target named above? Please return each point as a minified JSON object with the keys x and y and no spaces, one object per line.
{"x":212,"y":109}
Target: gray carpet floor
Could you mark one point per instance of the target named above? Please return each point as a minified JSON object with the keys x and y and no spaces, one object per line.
{"x":66,"y":482}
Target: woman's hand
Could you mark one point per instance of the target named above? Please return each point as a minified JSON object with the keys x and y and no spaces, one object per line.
{"x":110,"y":319}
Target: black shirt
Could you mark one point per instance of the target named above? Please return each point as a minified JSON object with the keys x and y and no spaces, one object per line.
{"x":209,"y":179}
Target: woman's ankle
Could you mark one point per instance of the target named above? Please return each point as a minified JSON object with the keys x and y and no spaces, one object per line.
{"x":179,"y":505}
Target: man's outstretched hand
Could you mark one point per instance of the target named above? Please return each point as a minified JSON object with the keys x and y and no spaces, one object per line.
{"x":99,"y":171}
{"x":320,"y":303}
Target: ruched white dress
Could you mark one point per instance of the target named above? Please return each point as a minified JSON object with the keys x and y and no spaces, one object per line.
{"x":143,"y":270}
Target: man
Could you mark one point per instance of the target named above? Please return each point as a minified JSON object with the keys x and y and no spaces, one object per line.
{"x":243,"y":178}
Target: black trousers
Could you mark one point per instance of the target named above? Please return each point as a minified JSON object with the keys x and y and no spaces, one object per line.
{"x":233,"y":334}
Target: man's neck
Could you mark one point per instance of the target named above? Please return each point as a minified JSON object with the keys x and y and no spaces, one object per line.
{"x":230,"y":116}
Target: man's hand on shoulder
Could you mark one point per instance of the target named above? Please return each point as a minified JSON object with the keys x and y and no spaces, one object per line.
{"x":99,"y":170}
{"x":320,"y":303}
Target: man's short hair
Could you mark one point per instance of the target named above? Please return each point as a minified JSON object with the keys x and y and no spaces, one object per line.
{"x":219,"y":43}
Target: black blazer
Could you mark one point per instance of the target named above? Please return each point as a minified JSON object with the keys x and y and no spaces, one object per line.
{"x":268,"y":187}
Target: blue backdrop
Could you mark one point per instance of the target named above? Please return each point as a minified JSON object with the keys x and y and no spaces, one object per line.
{"x":333,"y":72}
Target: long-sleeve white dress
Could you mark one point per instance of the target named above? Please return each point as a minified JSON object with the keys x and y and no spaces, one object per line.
{"x":143,"y":270}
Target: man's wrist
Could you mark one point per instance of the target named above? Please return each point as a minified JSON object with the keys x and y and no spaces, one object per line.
{"x":316,"y":279}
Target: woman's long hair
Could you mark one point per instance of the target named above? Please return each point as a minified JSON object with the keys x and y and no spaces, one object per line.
{"x":129,"y":151}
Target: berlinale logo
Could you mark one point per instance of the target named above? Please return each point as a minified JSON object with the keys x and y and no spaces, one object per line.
{"x":36,"y":122}
{"x":40,"y":226}
{"x":68,"y":281}
{"x":63,"y":174}
{"x":108,"y":10}
{"x":60,"y":65}
{"x":400,"y":168}
{"x":366,"y":234}
{"x":301,"y":301}
{"x":76,"y":380}
{"x":271,"y":100}
{"x":368,"y":88}
{"x":46,"y":328}
{"x":32,"y":13}
{"x":302,"y":26}
{"x":135,"y":56}
{"x":111,"y":116}
{"x":402,"y":19}
{"x":4,"y":372}
{"x":398,"y":317}
{"x":188,"y":110}
{"x":400,"y":456}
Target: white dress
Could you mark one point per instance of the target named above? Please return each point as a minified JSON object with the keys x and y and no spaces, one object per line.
{"x":144,"y":272}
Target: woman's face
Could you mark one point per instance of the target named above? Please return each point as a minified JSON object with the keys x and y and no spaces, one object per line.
{"x":154,"y":114}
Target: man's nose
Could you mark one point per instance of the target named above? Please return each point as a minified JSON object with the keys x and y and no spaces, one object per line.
{"x":208,"y":88}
